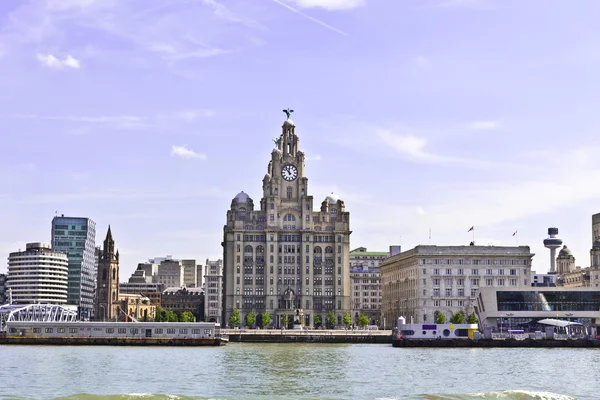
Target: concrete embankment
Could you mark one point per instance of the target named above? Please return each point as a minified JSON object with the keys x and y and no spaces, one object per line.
{"x":89,"y":341}
{"x":483,"y":343}
{"x":308,"y":336}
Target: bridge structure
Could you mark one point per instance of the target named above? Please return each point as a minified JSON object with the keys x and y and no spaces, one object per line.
{"x":37,"y":313}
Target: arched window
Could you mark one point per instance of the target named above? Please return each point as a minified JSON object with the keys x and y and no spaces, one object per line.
{"x":237,"y":291}
{"x":248,"y":249}
{"x":272,"y":206}
{"x":114,"y":274}
{"x":328,"y":249}
{"x":318,"y":249}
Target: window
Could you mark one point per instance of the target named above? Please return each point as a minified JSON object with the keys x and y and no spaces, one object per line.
{"x":500,"y":282}
{"x":122,"y":330}
{"x":158,"y":331}
{"x":436,"y":271}
{"x":170,"y":331}
{"x":37,"y":330}
{"x":489,"y":282}
{"x":448,"y":271}
{"x":474,"y":272}
{"x":183,"y":331}
{"x":60,"y":330}
{"x":49,"y":330}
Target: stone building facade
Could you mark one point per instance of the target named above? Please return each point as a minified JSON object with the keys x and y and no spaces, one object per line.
{"x":423,"y":281}
{"x":284,"y":258}
{"x":365,"y":279}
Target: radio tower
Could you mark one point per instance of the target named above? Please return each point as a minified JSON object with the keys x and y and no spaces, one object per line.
{"x":552,"y":243}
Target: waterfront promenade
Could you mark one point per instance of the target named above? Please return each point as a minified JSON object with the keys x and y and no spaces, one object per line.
{"x":308,"y":336}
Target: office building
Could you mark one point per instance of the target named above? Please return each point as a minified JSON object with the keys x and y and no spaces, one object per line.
{"x":38,"y":275}
{"x":427,"y":280}
{"x":213,"y":300}
{"x":76,"y":237}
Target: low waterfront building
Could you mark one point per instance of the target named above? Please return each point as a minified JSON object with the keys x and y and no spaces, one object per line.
{"x":182,"y":299}
{"x":213,"y":301}
{"x":500,"y":308}
{"x":38,"y":275}
{"x":543,"y":280}
{"x":426,"y":280}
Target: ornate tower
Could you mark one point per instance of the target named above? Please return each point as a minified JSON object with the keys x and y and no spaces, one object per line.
{"x":565,"y":261}
{"x":286,"y":259}
{"x":108,"y":281}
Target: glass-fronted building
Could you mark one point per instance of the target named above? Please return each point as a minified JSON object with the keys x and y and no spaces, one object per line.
{"x":77,"y":237}
{"x":519,"y":307}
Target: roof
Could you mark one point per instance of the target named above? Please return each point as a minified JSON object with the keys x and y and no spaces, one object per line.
{"x":557,"y":322}
{"x":369,"y":253}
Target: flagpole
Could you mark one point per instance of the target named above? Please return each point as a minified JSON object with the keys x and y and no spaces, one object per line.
{"x":473,"y":235}
{"x":517,"y":237}
{"x":429,"y":235}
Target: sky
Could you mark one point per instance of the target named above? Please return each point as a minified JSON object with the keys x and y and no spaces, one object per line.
{"x":423,"y":116}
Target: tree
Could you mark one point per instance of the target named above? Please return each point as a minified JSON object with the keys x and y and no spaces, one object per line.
{"x":472,"y":319}
{"x":347,"y":319}
{"x":316,"y":320}
{"x":266,"y":319}
{"x":186,"y":316}
{"x":363,"y":320}
{"x":160,"y":314}
{"x":285,"y":320}
{"x":234,"y":318}
{"x":440,"y":317}
{"x":170,"y":316}
{"x":457,"y":318}
{"x":251,"y":318}
{"x":330,"y":320}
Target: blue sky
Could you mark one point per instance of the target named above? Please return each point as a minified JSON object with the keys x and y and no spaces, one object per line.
{"x":151,"y":115}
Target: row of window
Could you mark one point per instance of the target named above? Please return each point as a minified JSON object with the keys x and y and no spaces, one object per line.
{"x":133,"y":331}
{"x":473,"y":262}
{"x":460,"y":271}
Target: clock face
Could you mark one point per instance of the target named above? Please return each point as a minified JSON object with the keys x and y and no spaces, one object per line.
{"x":289,"y":172}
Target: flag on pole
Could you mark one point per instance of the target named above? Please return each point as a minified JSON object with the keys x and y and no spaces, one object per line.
{"x":471,"y":228}
{"x":514,"y":233}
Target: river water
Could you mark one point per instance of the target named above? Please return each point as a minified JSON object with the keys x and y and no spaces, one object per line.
{"x":296,"y":371}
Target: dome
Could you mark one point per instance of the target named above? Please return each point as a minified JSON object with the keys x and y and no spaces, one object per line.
{"x":242,"y":197}
{"x":332,"y":198}
{"x":288,"y":122}
{"x":565,"y":252}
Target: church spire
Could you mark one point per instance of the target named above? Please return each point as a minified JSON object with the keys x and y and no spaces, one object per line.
{"x":109,"y":246}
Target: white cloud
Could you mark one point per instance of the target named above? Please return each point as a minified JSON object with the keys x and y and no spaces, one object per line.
{"x":408,"y":145}
{"x":482,"y":125}
{"x":317,"y":21}
{"x":51,"y":61}
{"x":421,"y":211}
{"x":329,"y":4}
{"x":184,"y":152}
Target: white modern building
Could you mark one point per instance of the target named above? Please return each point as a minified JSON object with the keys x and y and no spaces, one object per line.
{"x":38,"y":275}
{"x":426,"y":280}
{"x":213,"y":300}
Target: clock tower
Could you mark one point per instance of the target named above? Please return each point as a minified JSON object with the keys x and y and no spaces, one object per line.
{"x":285,"y":259}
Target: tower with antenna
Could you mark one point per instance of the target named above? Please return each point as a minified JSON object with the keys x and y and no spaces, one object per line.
{"x":553,"y":243}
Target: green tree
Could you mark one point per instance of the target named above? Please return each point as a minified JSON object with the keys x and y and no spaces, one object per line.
{"x":160,"y":314}
{"x":285,"y":320}
{"x":363,"y":320}
{"x":266,"y":319}
{"x":440,"y":317}
{"x":170,"y":316}
{"x":457,"y":318}
{"x":316,"y":320}
{"x":251,"y":318}
{"x":234,"y":318}
{"x":186,"y":316}
{"x":472,"y":319}
{"x":347,"y":319}
{"x":330,"y":320}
